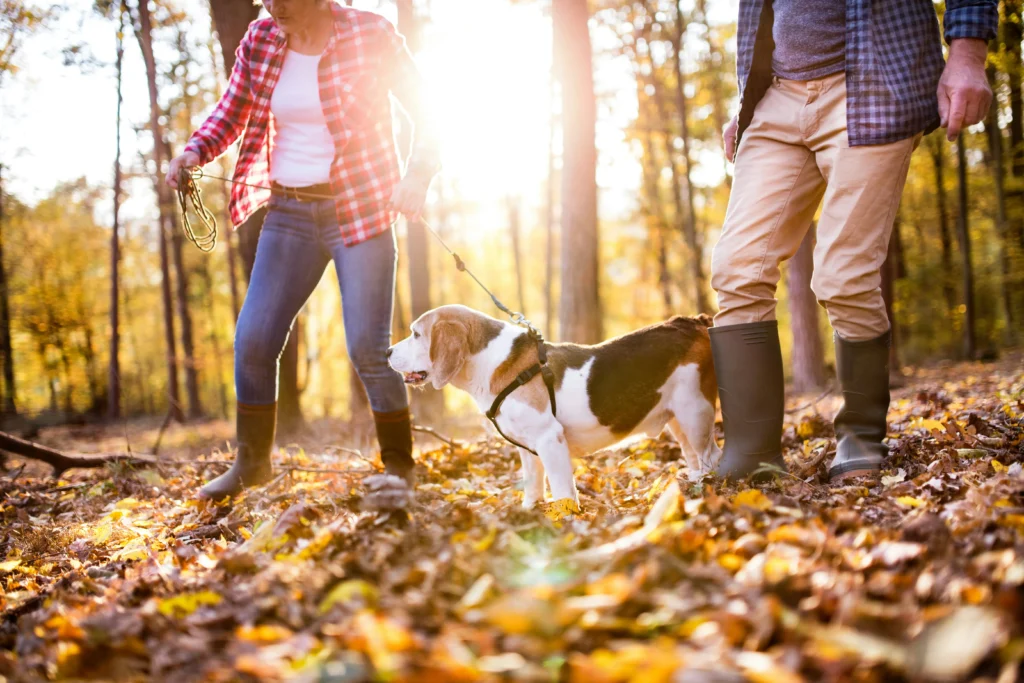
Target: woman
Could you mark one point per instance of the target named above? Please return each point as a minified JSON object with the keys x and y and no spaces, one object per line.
{"x":309,"y":96}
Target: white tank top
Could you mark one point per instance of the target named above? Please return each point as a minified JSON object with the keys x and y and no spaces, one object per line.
{"x":302,"y":150}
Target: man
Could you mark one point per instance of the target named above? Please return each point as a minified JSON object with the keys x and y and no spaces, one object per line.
{"x":835,"y":97}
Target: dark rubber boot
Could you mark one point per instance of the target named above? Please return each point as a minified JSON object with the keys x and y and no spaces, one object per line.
{"x":394,"y":435}
{"x":255,"y":427}
{"x":748,"y":366}
{"x":863,"y":369}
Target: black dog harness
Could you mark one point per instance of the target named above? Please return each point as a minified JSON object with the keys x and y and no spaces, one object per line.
{"x":539,"y":368}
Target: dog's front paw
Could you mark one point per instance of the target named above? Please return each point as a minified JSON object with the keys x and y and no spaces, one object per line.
{"x":558,"y":510}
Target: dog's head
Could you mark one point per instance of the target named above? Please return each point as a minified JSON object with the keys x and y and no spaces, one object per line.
{"x":441,"y":342}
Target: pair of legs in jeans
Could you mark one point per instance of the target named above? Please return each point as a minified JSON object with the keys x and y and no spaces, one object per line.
{"x":795,"y":156}
{"x":298,"y":241}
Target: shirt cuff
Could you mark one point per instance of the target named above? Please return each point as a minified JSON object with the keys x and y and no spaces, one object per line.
{"x":973,"y":21}
{"x":196,"y":147}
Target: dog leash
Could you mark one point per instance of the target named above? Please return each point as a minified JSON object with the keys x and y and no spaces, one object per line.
{"x":188,"y":192}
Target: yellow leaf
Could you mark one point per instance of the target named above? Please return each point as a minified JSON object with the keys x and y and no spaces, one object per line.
{"x":618,"y":586}
{"x":1015,"y":521}
{"x":9,"y":565}
{"x":998,"y":466}
{"x":135,"y":550}
{"x":522,"y":613}
{"x":346,"y":591}
{"x":102,"y":533}
{"x":922,"y":423}
{"x":487,"y":541}
{"x":752,"y":498}
{"x":910,"y":501}
{"x":187,"y":603}
{"x":560,"y":509}
{"x":265,"y":633}
{"x":731,"y":562}
{"x":380,"y":638}
{"x":476,"y":593}
{"x":127,"y":504}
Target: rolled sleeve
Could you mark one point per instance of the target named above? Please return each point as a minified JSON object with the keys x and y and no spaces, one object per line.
{"x":971,"y":19}
{"x":231,"y":114}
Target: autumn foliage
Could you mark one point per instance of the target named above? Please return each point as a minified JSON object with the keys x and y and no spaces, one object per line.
{"x":119,"y":574}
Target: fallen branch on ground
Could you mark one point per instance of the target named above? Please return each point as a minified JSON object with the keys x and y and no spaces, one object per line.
{"x":61,"y":462}
{"x":440,"y":437}
{"x":828,"y":392}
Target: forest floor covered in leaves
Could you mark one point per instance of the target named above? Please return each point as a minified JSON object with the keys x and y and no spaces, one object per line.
{"x":118,"y":574}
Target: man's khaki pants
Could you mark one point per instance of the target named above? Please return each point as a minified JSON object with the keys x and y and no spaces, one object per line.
{"x":794,"y":152}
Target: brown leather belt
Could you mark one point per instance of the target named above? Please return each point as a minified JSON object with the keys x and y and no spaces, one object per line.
{"x":310,"y":193}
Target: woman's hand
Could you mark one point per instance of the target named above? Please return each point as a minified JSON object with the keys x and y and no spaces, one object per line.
{"x":411,"y":193}
{"x":186,"y":160}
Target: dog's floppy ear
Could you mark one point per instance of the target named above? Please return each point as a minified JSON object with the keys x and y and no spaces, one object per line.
{"x":449,"y":340}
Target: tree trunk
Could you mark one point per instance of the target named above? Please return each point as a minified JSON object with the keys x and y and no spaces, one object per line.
{"x":218,"y":361}
{"x":808,"y":360}
{"x":195,"y":408}
{"x":655,"y":218}
{"x":515,"y":230}
{"x":231,"y":19}
{"x":9,"y":406}
{"x":693,"y":241}
{"x":580,"y":305}
{"x":144,"y":33}
{"x":229,"y":235}
{"x":713,"y":67}
{"x":938,"y":158}
{"x":114,"y":374}
{"x":88,"y":351}
{"x":549,"y":219}
{"x":1007,"y":247}
{"x":964,"y":239}
{"x":1013,"y":34}
{"x":892,"y":270}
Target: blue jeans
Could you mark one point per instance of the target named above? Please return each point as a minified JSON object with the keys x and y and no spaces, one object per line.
{"x":298,"y":240}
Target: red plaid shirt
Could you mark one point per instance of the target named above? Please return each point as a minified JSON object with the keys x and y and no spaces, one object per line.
{"x":364,"y":61}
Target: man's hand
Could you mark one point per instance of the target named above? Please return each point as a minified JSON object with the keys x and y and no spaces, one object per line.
{"x":729,"y":134}
{"x":185,"y":161}
{"x":964,"y":94}
{"x":411,"y":193}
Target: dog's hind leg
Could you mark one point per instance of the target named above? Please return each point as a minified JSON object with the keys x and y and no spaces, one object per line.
{"x":694,"y":429}
{"x":533,"y":478}
{"x":689,"y":454}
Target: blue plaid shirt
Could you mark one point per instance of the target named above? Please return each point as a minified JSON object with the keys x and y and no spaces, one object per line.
{"x":893,"y":61}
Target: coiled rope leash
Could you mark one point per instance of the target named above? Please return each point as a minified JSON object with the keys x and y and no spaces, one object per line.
{"x":188,"y":192}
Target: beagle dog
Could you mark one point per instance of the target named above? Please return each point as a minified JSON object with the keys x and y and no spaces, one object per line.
{"x":636,"y":384}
